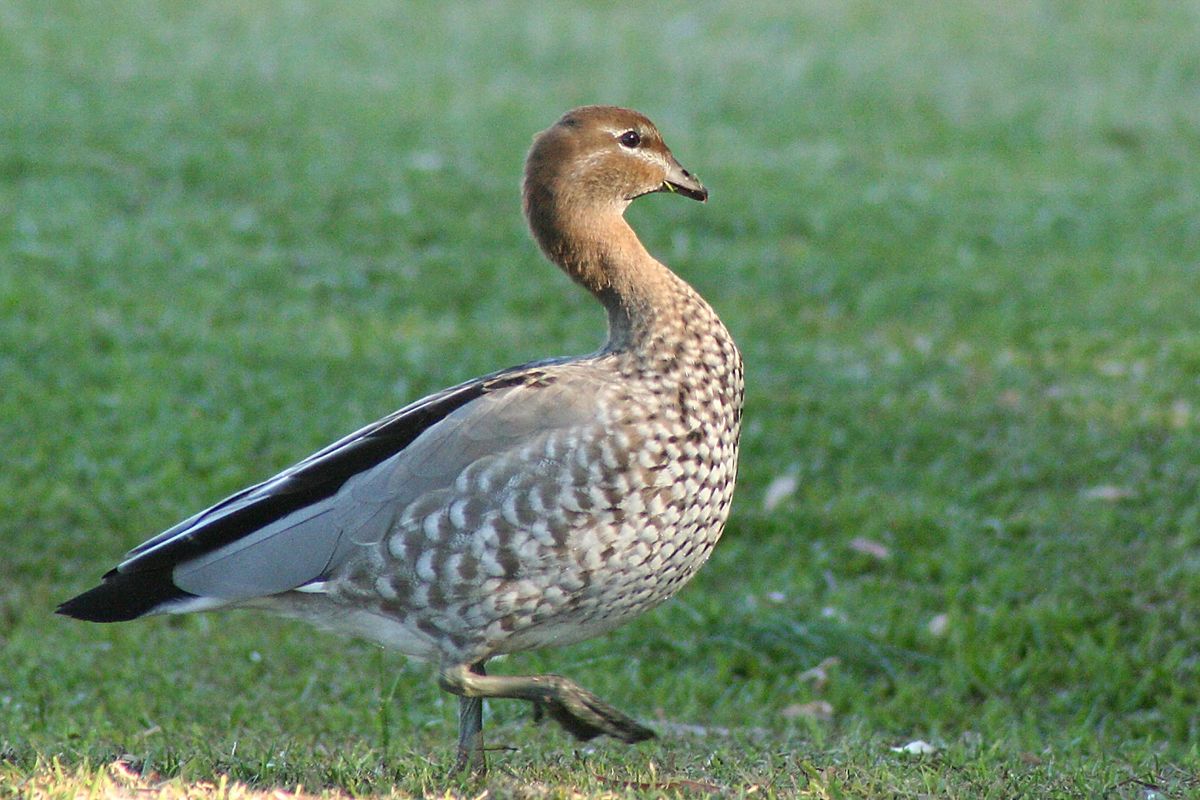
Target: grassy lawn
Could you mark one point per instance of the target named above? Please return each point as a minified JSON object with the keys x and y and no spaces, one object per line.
{"x":959,"y":245}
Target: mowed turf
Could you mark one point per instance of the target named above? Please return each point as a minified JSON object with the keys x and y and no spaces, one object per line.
{"x":959,"y":245}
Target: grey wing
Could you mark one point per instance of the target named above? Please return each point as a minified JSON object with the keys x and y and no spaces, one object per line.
{"x":307,"y":545}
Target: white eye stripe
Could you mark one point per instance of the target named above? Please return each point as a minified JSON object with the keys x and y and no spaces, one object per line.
{"x":621,"y":133}
{"x":647,"y":153}
{"x":653,"y":156}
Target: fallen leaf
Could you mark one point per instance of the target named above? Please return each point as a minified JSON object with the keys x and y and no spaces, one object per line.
{"x":780,"y":489}
{"x":818,"y":676}
{"x":870,"y":547}
{"x":820,"y":710}
{"x":1108,"y":493}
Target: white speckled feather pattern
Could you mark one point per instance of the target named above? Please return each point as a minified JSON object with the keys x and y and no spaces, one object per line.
{"x":562,"y":506}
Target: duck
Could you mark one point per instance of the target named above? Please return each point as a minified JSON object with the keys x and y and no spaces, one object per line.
{"x":536,"y":506}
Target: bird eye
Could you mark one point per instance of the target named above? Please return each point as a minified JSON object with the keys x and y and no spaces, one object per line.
{"x":630,"y":139}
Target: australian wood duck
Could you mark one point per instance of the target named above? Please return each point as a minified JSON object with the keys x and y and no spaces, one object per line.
{"x":536,"y":506}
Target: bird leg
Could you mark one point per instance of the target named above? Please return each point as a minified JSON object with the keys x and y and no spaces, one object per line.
{"x":578,"y":711}
{"x":470,"y":730}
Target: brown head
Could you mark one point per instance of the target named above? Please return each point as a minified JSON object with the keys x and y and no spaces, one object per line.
{"x":581,"y":175}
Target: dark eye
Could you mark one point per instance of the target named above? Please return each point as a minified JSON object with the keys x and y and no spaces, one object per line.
{"x":630,"y":139}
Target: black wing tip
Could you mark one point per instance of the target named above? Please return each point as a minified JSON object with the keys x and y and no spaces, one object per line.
{"x":123,"y":597}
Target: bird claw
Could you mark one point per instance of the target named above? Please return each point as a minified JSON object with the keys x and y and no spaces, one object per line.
{"x":585,"y":716}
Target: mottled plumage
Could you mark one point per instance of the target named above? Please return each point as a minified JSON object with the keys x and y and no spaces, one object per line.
{"x":537,"y":506}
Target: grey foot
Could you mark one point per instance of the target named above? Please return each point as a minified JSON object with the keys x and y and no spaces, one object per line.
{"x":578,"y":711}
{"x":469,"y":756}
{"x":585,"y":716}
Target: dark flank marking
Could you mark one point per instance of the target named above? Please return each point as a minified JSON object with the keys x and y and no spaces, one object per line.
{"x":468,"y":567}
{"x":441,"y":556}
{"x":403,"y":587}
{"x":526,"y":516}
{"x":561,"y":533}
{"x":437,"y":596}
{"x":509,"y":562}
{"x":585,"y":502}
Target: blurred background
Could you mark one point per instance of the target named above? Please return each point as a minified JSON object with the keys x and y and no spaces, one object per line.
{"x":959,"y":245}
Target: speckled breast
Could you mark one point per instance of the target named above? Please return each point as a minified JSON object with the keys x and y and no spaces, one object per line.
{"x":577,"y":528}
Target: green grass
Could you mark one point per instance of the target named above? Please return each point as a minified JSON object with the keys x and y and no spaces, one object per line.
{"x":959,"y":245}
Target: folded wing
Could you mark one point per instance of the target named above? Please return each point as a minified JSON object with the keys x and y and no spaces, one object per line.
{"x":294,"y":528}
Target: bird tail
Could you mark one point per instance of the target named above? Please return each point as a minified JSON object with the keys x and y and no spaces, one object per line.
{"x":124,"y":596}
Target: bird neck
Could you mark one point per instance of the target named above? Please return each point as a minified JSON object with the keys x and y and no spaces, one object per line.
{"x":600,"y":251}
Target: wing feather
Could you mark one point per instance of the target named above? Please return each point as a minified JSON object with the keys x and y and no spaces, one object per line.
{"x":292,"y":529}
